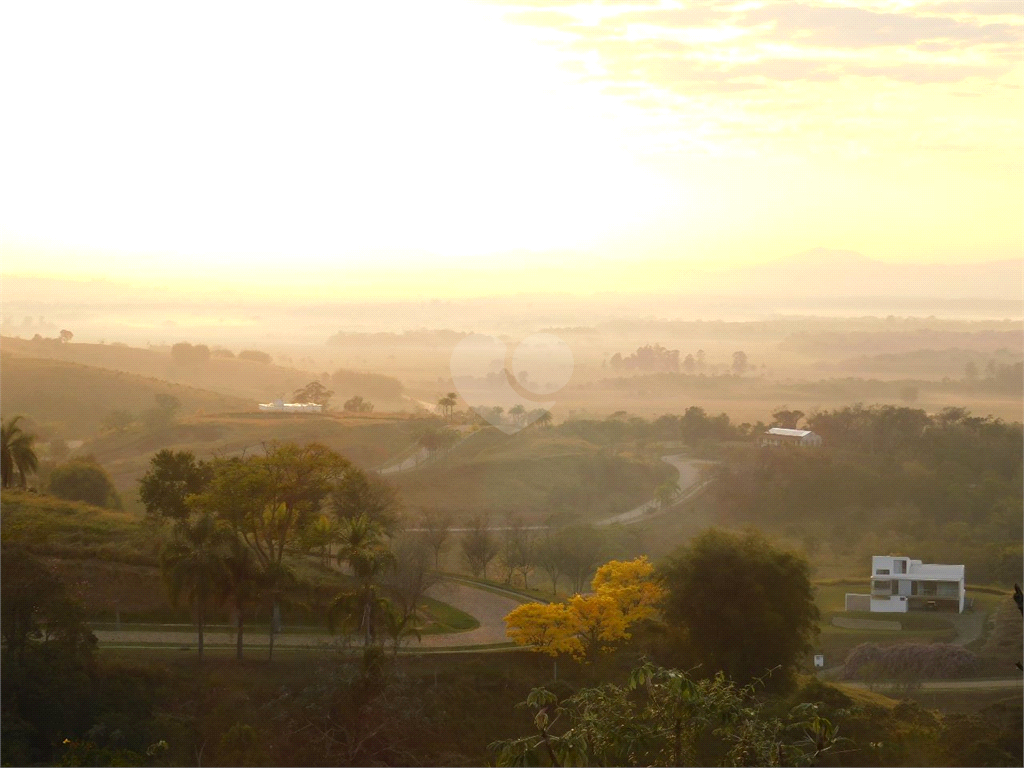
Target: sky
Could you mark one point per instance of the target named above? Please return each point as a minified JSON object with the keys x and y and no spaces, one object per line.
{"x":465,"y":147}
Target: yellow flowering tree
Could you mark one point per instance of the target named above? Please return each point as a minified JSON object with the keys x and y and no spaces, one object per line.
{"x":624,"y":593}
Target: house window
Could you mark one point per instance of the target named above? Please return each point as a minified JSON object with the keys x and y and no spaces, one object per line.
{"x":882,"y":572}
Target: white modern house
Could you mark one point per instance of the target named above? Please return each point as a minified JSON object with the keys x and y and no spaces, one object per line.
{"x":899,"y":584}
{"x":780,"y":436}
{"x":281,"y":406}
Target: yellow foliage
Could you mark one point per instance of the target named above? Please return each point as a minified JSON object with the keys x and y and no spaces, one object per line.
{"x":631,"y":585}
{"x":624,"y":593}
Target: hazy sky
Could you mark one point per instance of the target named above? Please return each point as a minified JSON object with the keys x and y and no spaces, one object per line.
{"x":411,"y":148}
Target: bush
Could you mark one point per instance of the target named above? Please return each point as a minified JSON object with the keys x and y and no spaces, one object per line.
{"x":935,"y":660}
{"x":83,"y":480}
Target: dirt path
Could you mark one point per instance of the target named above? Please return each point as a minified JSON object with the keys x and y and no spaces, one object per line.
{"x":486,"y":607}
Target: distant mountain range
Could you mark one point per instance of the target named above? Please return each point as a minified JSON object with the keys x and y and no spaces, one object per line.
{"x":827,"y":272}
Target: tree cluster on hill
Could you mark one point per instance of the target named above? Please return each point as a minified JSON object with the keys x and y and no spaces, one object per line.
{"x":238,"y":523}
{"x":255,"y":356}
{"x":694,"y":426}
{"x":945,"y":488}
{"x":190,"y":355}
{"x":651,"y":358}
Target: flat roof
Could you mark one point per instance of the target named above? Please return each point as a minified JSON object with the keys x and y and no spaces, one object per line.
{"x":789,"y":432}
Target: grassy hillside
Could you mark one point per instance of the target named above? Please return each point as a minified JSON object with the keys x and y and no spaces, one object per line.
{"x":247,"y":380}
{"x":53,"y":527}
{"x":535,"y":474}
{"x":368,"y":441}
{"x":71,"y":400}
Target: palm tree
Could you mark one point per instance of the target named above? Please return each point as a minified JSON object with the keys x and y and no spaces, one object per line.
{"x":544,"y":419}
{"x":242,"y":585}
{"x":274,"y":579}
{"x":363,"y":549}
{"x":195,"y":564}
{"x":448,"y":403}
{"x":517,"y":412}
{"x":16,"y":452}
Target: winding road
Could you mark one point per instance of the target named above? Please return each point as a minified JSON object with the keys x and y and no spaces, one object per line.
{"x":488,"y":607}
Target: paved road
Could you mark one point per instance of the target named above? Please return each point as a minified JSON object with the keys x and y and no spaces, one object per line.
{"x":949,"y":685}
{"x":486,"y":607}
{"x":689,"y":485}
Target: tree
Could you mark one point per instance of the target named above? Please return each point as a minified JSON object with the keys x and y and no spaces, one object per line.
{"x":581,"y":548}
{"x":363,"y":549}
{"x":118,"y":420}
{"x":243,"y":585}
{"x":255,"y":356}
{"x":314,"y":392}
{"x":479,"y":546}
{"x":187,"y":354}
{"x":355,"y":493}
{"x":516,"y":553}
{"x":624,"y":593}
{"x":739,"y":363}
{"x":665,"y":717}
{"x":786,"y":418}
{"x":34,"y":605}
{"x":544,"y":418}
{"x":269,"y":501}
{"x":548,"y":557}
{"x":689,"y":364}
{"x":745,"y":606}
{"x":356,"y":404}
{"x":167,"y":407}
{"x":17,"y":452}
{"x":437,"y":528}
{"x":84,"y":480}
{"x":666,"y":493}
{"x":407,"y":584}
{"x":66,"y":336}
{"x":194,"y":565}
{"x":448,"y":403}
{"x":517,"y":412}
{"x":173,"y":476}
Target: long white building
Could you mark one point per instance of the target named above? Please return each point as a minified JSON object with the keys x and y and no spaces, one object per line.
{"x":279,"y":405}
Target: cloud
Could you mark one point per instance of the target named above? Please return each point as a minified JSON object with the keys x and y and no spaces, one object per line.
{"x":847,"y":27}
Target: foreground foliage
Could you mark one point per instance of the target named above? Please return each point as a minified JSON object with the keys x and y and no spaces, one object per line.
{"x":665,"y":717}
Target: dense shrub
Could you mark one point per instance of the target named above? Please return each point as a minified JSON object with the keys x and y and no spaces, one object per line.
{"x":935,"y":660}
{"x":83,"y":480}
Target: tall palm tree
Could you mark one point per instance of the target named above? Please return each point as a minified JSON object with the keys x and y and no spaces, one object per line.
{"x":16,"y":452}
{"x":242,"y":586}
{"x":194,"y":564}
{"x":544,"y":419}
{"x":364,"y":550}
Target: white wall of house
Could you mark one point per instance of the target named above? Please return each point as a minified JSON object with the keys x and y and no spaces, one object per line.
{"x":891,"y":604}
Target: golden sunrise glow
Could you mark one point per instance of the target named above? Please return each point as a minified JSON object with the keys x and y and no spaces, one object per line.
{"x":372,"y":142}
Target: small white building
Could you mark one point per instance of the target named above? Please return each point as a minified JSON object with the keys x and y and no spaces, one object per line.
{"x":899,"y":584}
{"x":781,"y":436}
{"x":281,"y":406}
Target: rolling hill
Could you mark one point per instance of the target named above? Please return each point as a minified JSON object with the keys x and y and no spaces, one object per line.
{"x":70,"y":400}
